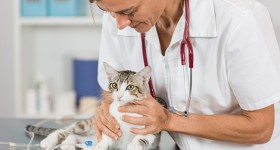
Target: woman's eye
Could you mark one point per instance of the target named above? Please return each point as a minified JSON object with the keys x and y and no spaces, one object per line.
{"x":130,"y":87}
{"x":114,"y":85}
{"x":130,"y":14}
{"x":123,"y":14}
{"x":127,"y":13}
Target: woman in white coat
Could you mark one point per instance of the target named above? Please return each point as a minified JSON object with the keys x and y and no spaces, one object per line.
{"x":236,"y":87}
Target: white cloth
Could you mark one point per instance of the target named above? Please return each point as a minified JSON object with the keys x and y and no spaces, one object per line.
{"x":236,"y":64}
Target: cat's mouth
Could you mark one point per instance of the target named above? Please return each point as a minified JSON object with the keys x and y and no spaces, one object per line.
{"x":124,"y":100}
{"x":120,"y":99}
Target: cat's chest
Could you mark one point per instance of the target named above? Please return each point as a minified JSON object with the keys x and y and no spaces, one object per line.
{"x":117,"y":115}
{"x":114,"y":111}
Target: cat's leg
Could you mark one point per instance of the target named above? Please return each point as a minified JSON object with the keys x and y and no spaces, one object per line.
{"x":87,"y":138}
{"x":141,"y":142}
{"x":105,"y":143}
{"x":52,"y":140}
{"x":81,"y":127}
{"x":69,"y":143}
{"x":73,"y":141}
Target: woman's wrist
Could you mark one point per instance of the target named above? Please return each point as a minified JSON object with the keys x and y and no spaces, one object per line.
{"x":169,"y":121}
{"x":176,"y":123}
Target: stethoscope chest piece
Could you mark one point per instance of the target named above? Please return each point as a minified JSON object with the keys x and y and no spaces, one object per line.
{"x":164,"y":104}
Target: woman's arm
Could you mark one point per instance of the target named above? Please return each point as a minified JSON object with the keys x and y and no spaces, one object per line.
{"x":251,"y":127}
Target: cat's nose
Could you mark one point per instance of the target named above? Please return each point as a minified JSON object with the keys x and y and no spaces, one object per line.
{"x":119,"y":97}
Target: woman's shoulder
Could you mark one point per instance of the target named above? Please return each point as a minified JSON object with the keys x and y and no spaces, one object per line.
{"x":242,"y":6}
{"x":232,"y":12}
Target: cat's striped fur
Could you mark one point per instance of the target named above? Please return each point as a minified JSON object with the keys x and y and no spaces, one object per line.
{"x":79,"y":127}
{"x":39,"y":130}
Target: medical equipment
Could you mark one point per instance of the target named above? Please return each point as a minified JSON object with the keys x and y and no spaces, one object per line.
{"x":186,"y":41}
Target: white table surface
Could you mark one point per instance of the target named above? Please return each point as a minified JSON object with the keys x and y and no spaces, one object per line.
{"x":12,"y":130}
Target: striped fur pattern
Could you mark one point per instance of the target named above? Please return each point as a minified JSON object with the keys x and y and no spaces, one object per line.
{"x":80,"y":127}
{"x":39,"y":130}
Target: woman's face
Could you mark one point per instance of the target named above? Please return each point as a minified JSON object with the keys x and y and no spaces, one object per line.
{"x":138,"y":14}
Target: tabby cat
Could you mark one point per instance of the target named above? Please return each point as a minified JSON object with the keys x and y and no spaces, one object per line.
{"x":125,"y":86}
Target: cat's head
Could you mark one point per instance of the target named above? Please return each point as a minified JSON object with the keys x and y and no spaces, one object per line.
{"x":127,"y":85}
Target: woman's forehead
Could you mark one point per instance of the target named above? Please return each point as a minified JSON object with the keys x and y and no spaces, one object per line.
{"x":116,"y":5}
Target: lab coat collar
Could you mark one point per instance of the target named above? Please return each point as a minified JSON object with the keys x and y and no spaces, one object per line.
{"x":202,"y":21}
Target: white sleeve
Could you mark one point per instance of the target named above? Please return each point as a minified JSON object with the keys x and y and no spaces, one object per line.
{"x":251,"y":61}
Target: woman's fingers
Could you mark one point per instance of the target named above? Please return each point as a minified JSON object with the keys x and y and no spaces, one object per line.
{"x":114,"y":126}
{"x":104,"y":129}
{"x":104,"y":121}
{"x":102,"y":117}
{"x":108,"y":120}
{"x":96,"y":130}
{"x":133,"y":107}
{"x":154,"y":116}
{"x":134,"y":120}
{"x":143,"y":131}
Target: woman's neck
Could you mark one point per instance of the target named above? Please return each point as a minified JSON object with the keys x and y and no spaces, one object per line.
{"x":171,"y":14}
{"x":168,"y":21}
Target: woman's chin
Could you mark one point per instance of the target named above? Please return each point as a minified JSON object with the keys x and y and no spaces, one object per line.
{"x":142,"y":28}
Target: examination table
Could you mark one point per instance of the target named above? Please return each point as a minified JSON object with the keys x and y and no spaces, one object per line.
{"x":12,"y":130}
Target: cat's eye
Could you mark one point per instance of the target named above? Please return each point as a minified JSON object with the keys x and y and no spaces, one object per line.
{"x":114,"y":85}
{"x":130,"y":87}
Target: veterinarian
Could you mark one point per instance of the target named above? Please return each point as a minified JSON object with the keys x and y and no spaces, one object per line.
{"x":227,"y":95}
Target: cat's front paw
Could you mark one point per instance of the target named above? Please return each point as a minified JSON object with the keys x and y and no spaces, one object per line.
{"x":50,"y":141}
{"x":134,"y":146}
{"x":47,"y":144}
{"x":67,"y":147}
{"x":100,"y":146}
{"x":69,"y":143}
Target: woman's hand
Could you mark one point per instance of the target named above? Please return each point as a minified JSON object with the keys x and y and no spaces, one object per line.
{"x":103,"y":121}
{"x":155,"y":117}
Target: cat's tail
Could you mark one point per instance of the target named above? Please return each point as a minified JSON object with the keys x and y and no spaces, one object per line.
{"x":42,"y":131}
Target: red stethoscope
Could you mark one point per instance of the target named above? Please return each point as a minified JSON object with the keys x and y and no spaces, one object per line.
{"x":186,"y":41}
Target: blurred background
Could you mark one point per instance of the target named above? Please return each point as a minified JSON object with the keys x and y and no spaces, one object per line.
{"x":48,"y":57}
{"x":49,"y":54}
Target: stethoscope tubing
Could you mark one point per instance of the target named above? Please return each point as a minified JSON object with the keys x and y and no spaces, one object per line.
{"x":185,"y":42}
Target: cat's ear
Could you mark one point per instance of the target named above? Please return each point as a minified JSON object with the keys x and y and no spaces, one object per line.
{"x":145,"y":74}
{"x":110,"y":71}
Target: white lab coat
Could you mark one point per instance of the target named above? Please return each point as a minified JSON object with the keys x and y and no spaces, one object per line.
{"x":236,"y":64}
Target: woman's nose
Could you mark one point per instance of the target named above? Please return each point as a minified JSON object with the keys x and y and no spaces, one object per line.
{"x":122,"y":20}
